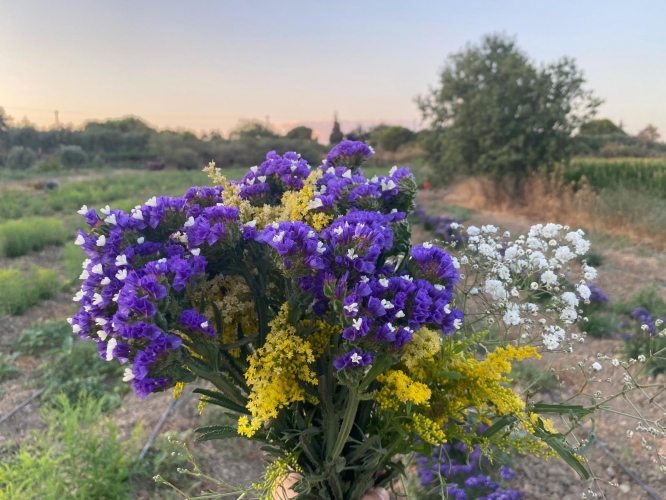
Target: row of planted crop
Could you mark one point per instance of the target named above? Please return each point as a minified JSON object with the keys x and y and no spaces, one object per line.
{"x":637,"y":174}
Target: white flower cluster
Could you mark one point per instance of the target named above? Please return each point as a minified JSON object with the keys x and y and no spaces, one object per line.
{"x":523,"y":283}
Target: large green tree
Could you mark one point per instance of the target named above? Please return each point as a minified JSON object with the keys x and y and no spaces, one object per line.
{"x":495,"y":113}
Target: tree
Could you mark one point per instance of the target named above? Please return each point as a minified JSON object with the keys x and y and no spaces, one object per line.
{"x":392,"y":138}
{"x":600,"y":127}
{"x":21,"y":158}
{"x":336,"y":136}
{"x":252,"y":130}
{"x":300,"y":133}
{"x":494,"y":113}
{"x":72,"y":156}
{"x":648,"y":136}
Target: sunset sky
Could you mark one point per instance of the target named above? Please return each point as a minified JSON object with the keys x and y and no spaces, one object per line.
{"x":206,"y":65}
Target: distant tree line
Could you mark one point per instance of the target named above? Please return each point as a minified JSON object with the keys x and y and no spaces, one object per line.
{"x":130,"y":140}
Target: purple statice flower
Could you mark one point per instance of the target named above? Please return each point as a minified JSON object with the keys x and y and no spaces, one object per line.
{"x":507,"y":474}
{"x":349,"y":154}
{"x":297,"y":244}
{"x":357,"y":239}
{"x":273,"y":177}
{"x":597,"y":296}
{"x":196,"y":322}
{"x":435,"y":265}
{"x":353,"y":359}
{"x":465,"y":473}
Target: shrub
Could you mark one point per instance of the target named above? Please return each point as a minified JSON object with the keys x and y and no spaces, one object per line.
{"x":185,"y":159}
{"x":30,"y":235}
{"x":392,"y":138}
{"x":45,"y":337}
{"x":7,"y":368}
{"x":51,"y":164}
{"x":19,"y":291}
{"x":21,"y":158}
{"x":81,"y":455}
{"x":79,"y":369}
{"x":72,"y":156}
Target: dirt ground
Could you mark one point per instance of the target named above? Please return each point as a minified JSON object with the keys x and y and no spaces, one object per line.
{"x":626,"y":269}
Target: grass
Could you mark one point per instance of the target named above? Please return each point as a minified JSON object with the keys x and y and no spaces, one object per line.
{"x":20,"y":237}
{"x":19,"y":290}
{"x":8,"y":369}
{"x":79,"y":456}
{"x":80,"y":369}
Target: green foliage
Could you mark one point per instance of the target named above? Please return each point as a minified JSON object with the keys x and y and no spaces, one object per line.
{"x":648,"y":298}
{"x":8,"y":369}
{"x":45,"y":337}
{"x":594,"y":259}
{"x":72,"y":156}
{"x":184,"y":159}
{"x":534,"y":378}
{"x":601,"y":324}
{"x":252,"y":130}
{"x":73,"y":258}
{"x":51,"y":164}
{"x":81,"y":456}
{"x":80,"y":369}
{"x":497,"y":114}
{"x":18,"y":290}
{"x":300,"y":133}
{"x":391,"y":138}
{"x":21,"y":158}
{"x":601,"y":126}
{"x":646,"y":175}
{"x":30,"y":235}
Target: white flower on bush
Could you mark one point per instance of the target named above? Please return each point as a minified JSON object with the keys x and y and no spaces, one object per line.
{"x":512,"y":316}
{"x":568,"y":315}
{"x":553,"y":337}
{"x":570,"y":299}
{"x":473,"y":231}
{"x":496,"y":289}
{"x":549,"y":277}
{"x":589,"y":273}
{"x":564,"y":254}
{"x":584,"y":292}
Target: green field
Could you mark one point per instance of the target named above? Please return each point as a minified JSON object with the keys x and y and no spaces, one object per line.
{"x":647,"y":175}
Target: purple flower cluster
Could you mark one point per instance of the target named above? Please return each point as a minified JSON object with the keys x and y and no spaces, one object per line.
{"x":462,"y":470}
{"x":145,"y":266}
{"x":266,"y":183}
{"x":444,"y":228}
{"x":297,"y":244}
{"x":127,"y":277}
{"x":349,"y":153}
{"x":343,"y":184}
{"x":641,"y":317}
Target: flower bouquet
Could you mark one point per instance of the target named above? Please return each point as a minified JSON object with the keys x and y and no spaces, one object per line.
{"x":330,"y":339}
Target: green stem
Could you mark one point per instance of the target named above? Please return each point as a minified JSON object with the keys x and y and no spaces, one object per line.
{"x":347,"y":423}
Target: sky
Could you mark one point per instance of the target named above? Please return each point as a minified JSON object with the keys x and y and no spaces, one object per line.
{"x":206,"y":65}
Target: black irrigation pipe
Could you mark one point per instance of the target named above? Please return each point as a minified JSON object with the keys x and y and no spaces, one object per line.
{"x":633,"y":476}
{"x":21,"y":405}
{"x":158,"y":427}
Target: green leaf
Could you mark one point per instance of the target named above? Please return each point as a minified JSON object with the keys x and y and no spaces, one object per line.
{"x":219,"y":399}
{"x":578,"y":410}
{"x":557,"y":444}
{"x":498,"y":426}
{"x":216,"y":432}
